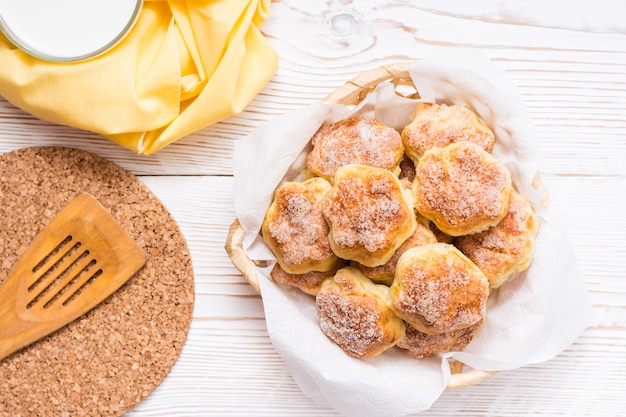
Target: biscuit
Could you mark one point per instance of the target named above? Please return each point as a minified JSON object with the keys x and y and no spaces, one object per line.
{"x":309,"y":282}
{"x":354,"y":314}
{"x":436,"y":126}
{"x":295,"y":230}
{"x":461,"y":188}
{"x":370,"y":214}
{"x":421,"y":345}
{"x":437,"y":289}
{"x":359,"y":140}
{"x":506,"y":248}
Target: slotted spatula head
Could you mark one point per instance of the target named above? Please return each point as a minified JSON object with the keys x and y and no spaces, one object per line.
{"x":79,"y":259}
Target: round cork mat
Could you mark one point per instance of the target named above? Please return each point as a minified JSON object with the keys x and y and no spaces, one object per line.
{"x":110,"y":359}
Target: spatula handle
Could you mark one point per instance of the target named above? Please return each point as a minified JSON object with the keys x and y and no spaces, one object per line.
{"x":11,"y":325}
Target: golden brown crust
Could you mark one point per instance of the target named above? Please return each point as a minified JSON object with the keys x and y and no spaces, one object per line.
{"x":461,"y":188}
{"x":421,"y":345}
{"x":369,"y":213}
{"x":385,"y":273}
{"x":506,"y":248}
{"x":354,"y":314}
{"x":309,"y":282}
{"x":295,"y":230}
{"x":359,"y":140}
{"x":436,"y":126}
{"x":437,"y":289}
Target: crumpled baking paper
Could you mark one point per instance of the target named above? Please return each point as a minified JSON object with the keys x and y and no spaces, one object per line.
{"x":533,"y":317}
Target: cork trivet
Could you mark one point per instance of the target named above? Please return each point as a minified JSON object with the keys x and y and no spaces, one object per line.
{"x":107,"y":361}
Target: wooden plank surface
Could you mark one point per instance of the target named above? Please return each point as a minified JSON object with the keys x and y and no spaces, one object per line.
{"x":569,"y":63}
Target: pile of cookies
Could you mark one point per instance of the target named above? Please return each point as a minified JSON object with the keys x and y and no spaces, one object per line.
{"x":400,"y":236}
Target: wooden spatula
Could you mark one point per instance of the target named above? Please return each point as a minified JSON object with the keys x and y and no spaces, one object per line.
{"x":79,"y":259}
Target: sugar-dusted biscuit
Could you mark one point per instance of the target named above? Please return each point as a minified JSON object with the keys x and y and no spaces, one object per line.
{"x":354,"y":314}
{"x":309,"y":282}
{"x":359,"y":140}
{"x":461,"y":188}
{"x":507,"y":247}
{"x":370,"y":214}
{"x":437,"y":289}
{"x":295,"y":230}
{"x":436,"y":126}
{"x":421,"y":345}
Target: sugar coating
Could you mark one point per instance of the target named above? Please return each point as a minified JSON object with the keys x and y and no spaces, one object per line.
{"x":421,"y":345}
{"x":362,"y":214}
{"x":429,"y":297}
{"x":354,"y":314}
{"x":358,"y":140}
{"x":507,"y":247}
{"x":437,"y":289}
{"x":295,"y":228}
{"x":368,"y":214}
{"x":354,"y":325}
{"x":436,"y":126}
{"x":461,"y":188}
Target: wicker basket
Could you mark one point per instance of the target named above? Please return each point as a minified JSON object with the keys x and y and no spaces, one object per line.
{"x":352,"y":93}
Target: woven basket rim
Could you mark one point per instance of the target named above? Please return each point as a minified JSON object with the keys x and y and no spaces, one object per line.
{"x":352,"y":93}
{"x":358,"y":88}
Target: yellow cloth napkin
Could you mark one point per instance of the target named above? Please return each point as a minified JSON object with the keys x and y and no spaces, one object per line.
{"x":185,"y":65}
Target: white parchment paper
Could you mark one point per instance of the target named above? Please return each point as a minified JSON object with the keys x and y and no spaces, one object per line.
{"x":531,"y":318}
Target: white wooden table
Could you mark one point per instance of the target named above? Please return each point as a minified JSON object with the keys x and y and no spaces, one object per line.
{"x":568,"y":60}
